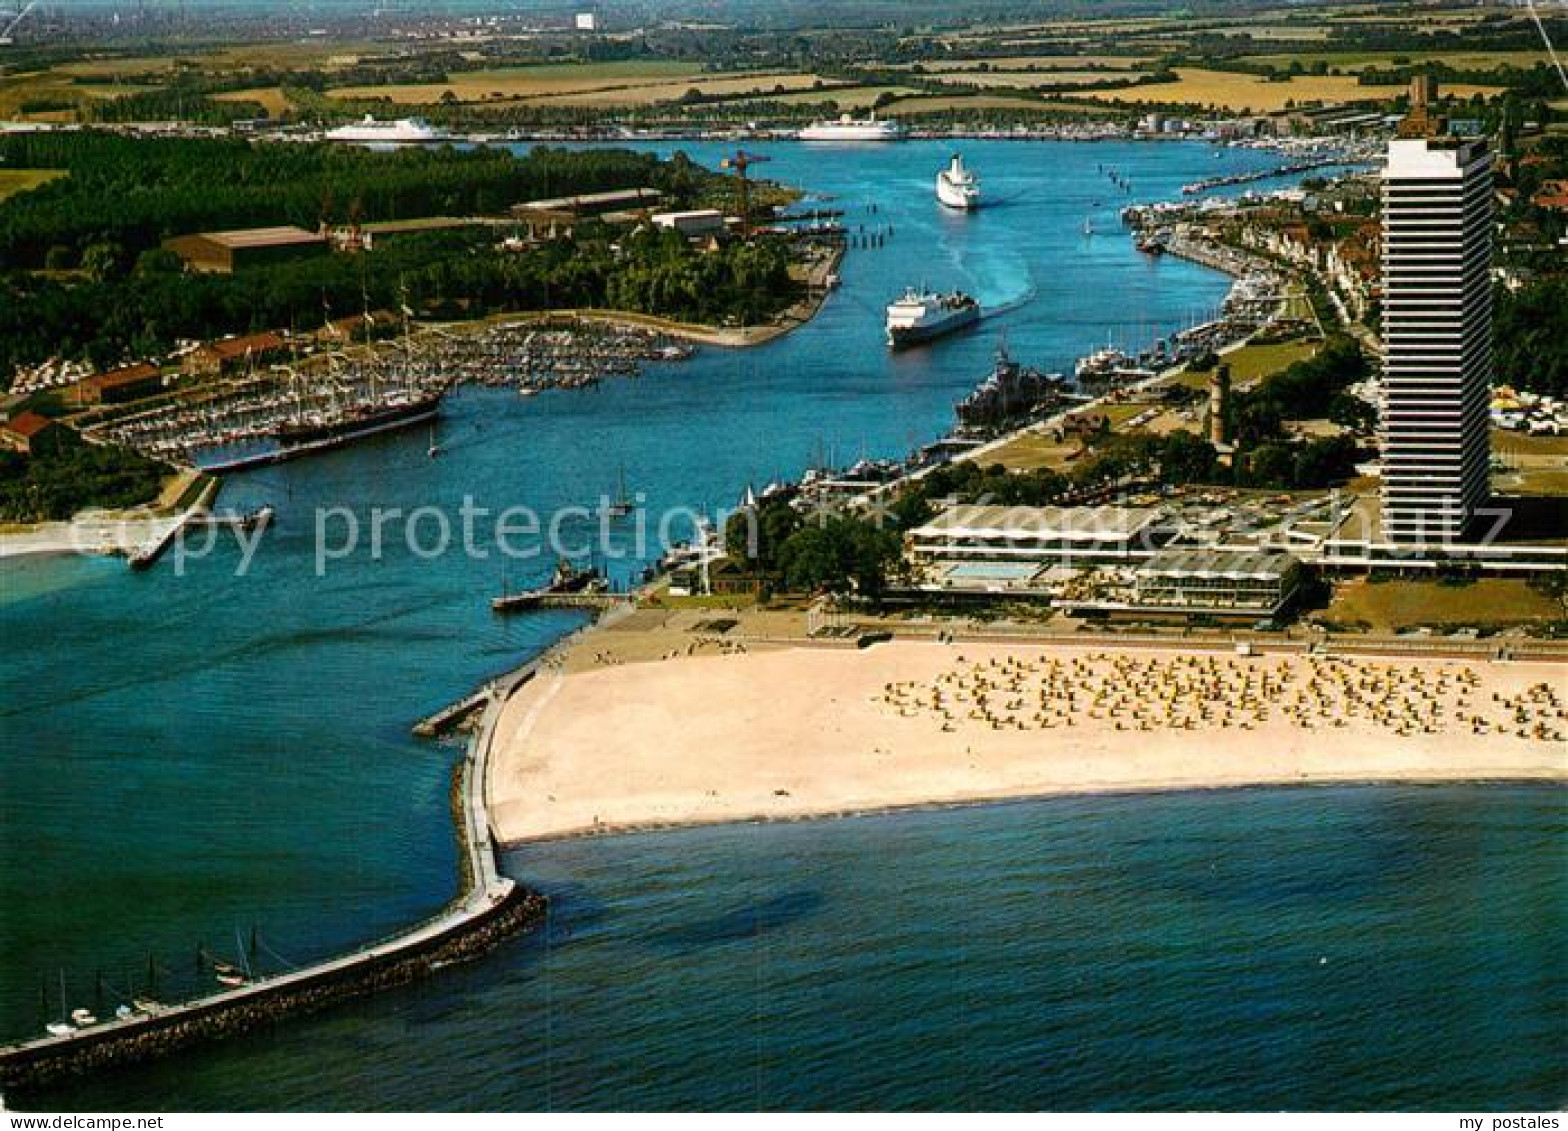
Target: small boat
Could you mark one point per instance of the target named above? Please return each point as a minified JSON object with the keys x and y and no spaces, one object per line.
{"x":623,"y":504}
{"x":566,"y":581}
{"x":435,"y":448}
{"x":1088,"y":226}
{"x":232,"y":980}
{"x":527,"y":391}
{"x":82,"y":1018}
{"x":59,"y":1029}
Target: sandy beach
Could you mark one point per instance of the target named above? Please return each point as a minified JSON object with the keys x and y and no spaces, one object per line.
{"x":596,"y":745}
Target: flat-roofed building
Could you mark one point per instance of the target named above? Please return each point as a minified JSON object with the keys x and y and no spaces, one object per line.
{"x":1040,"y":536}
{"x":1218,"y":581}
{"x":226,"y":252}
{"x":697,"y":222}
{"x":117,"y":386}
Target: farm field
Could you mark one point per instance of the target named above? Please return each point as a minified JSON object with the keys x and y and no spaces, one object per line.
{"x":1242,"y":92}
{"x":17,"y":91}
{"x":1027,"y":80}
{"x":1360,"y":60}
{"x":762,"y":86}
{"x":1037,"y":62}
{"x":538,"y":81}
{"x":846,"y":97}
{"x":271,"y":99}
{"x":936,"y":103}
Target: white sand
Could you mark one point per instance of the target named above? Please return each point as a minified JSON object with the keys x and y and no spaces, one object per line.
{"x":808,"y":732}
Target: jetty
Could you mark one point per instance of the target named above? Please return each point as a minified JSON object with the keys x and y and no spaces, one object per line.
{"x":488,"y":908}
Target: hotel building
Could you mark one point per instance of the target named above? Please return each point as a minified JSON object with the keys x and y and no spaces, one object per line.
{"x":1437,"y":336}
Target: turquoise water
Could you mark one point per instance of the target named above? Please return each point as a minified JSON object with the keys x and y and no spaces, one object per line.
{"x":183,"y":758}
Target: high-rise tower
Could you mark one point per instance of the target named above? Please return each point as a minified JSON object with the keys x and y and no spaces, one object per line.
{"x":1437,"y":334}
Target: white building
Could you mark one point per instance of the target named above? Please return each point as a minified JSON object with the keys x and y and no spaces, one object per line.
{"x":698,"y":222}
{"x":1437,"y":337}
{"x":980,"y":538}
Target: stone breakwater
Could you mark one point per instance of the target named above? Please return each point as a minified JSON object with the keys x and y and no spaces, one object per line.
{"x":214,"y":1019}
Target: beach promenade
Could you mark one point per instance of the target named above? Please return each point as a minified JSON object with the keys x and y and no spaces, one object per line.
{"x":620,"y":736}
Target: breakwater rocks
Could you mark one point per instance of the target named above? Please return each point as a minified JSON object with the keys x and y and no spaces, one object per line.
{"x":264,"y":1003}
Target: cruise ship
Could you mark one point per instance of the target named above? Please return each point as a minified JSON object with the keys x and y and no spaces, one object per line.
{"x":957,"y":187}
{"x":920,"y":316}
{"x":404,"y":131}
{"x":846,"y":128}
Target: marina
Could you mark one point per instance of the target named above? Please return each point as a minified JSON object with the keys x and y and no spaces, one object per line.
{"x":269,"y":417}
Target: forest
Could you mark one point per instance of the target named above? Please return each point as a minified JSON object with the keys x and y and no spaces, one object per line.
{"x":135,"y":192}
{"x":139,"y":310}
{"x":72,"y":474}
{"x":111,"y":294}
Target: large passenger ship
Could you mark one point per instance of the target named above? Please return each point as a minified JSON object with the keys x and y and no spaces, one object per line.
{"x":958,"y":187}
{"x":846,"y":128}
{"x":921,"y":315}
{"x":404,"y":131}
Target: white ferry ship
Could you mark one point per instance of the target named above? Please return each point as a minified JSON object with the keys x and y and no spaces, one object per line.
{"x":957,"y":187}
{"x":921,"y":315}
{"x":404,"y":131}
{"x":846,"y":128}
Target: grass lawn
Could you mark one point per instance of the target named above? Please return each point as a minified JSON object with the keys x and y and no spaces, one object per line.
{"x":1388,"y":606}
{"x":15,"y":181}
{"x":1250,"y":364}
{"x":1534,"y":465}
{"x":1032,"y":450}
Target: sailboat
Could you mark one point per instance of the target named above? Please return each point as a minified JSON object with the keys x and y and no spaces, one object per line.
{"x":62,"y":1027}
{"x":623,"y":504}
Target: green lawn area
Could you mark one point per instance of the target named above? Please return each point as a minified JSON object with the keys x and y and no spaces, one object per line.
{"x":1388,"y":606}
{"x":15,"y":181}
{"x":1251,"y":363}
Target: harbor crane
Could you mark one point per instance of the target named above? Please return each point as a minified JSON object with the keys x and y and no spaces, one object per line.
{"x":740,"y":161}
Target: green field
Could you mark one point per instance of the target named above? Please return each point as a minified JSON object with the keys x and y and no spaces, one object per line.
{"x":1390,"y":606}
{"x":16,"y":181}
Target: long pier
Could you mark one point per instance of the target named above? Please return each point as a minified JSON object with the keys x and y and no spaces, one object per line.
{"x":488,"y":908}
